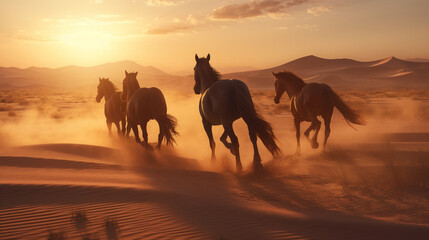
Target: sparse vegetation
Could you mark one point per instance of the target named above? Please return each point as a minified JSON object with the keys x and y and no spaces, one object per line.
{"x":57,"y":235}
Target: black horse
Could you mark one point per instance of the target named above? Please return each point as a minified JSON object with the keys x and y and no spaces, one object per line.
{"x":224,"y":101}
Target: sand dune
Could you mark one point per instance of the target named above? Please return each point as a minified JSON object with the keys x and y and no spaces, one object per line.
{"x":371,"y":184}
{"x":153,"y":200}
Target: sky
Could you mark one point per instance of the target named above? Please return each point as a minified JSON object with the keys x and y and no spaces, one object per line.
{"x":238,"y":34}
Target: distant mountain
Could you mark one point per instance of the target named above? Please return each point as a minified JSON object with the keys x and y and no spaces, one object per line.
{"x":75,"y":76}
{"x":346,"y":74}
{"x":418,"y":59}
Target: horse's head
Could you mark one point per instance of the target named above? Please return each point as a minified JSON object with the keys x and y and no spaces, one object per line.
{"x":101,"y":89}
{"x":129,"y":85}
{"x":201,"y":67}
{"x":277,"y":88}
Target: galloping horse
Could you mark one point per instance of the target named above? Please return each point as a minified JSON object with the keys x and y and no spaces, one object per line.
{"x":224,"y":101}
{"x":144,"y":104}
{"x":112,"y":106}
{"x":307,"y":101}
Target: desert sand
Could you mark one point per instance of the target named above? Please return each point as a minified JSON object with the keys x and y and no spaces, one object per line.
{"x":56,"y":160}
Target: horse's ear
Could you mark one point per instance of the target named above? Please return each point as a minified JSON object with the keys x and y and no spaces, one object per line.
{"x":126,"y":73}
{"x":274,"y":74}
{"x":137,"y":72}
{"x":196,"y":57}
{"x":208,"y":57}
{"x":99,"y":79}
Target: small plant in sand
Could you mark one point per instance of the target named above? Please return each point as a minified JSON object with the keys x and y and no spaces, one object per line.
{"x":112,"y":227}
{"x":59,"y":235}
{"x":79,"y":217}
{"x":11,"y":113}
{"x":90,"y":236}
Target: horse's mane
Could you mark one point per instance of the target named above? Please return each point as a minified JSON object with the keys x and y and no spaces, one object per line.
{"x":109,"y":85}
{"x":133,"y":83}
{"x":292,"y":78}
{"x":213,"y":73}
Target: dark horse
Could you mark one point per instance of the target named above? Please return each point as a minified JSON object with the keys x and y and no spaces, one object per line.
{"x":224,"y":101}
{"x":307,"y":101}
{"x":112,"y":106}
{"x":144,"y":104}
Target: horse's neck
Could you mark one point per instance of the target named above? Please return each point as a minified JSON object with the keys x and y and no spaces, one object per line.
{"x":293,"y":90}
{"x":132,"y":90}
{"x":109,"y":95}
{"x":207,"y":83}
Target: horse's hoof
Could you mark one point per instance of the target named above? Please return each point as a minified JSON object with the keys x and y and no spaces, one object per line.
{"x":257,"y":166}
{"x":239,"y":168}
{"x":315,"y":145}
{"x":147,"y":146}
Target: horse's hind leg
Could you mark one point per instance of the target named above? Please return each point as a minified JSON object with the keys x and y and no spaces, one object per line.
{"x":224,"y":141}
{"x":109,"y":127}
{"x":208,"y":129}
{"x":234,"y":144}
{"x":298,"y":133}
{"x":256,"y":157}
{"x":145,"y":138}
{"x":118,"y":128}
{"x":314,"y":143}
{"x":135,"y":129}
{"x":160,"y":135}
{"x":327,"y":120}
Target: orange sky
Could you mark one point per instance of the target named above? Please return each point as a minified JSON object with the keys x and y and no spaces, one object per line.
{"x":237,"y":33}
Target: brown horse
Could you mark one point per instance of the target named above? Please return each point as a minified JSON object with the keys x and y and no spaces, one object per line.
{"x":144,"y":104}
{"x":307,"y":101}
{"x":112,"y":106}
{"x":224,"y":101}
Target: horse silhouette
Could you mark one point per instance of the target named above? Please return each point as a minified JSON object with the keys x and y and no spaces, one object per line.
{"x":224,"y":101}
{"x":307,"y":101}
{"x":112,"y":105}
{"x":144,"y":104}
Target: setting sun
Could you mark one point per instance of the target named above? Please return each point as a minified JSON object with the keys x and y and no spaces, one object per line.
{"x":198,"y":119}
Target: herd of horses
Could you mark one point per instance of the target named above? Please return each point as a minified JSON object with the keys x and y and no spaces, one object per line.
{"x":221,"y":103}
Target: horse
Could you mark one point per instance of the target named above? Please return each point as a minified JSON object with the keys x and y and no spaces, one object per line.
{"x":112,"y":106}
{"x":224,"y":101}
{"x":144,"y":104}
{"x":308,"y":101}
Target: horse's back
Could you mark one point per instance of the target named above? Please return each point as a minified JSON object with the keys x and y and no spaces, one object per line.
{"x":315,"y":99}
{"x":112,"y":108}
{"x":146,"y":104}
{"x":220,"y":100}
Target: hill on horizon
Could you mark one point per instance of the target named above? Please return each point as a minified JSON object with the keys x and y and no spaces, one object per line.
{"x":344,"y":74}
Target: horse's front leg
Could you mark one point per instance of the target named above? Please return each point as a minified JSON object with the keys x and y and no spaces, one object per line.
{"x":109,"y":127}
{"x":234,"y":144}
{"x":208,"y":128}
{"x":123,"y":123}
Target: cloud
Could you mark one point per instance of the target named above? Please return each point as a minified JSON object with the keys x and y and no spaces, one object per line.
{"x":180,"y":25}
{"x":169,"y":29}
{"x":163,"y":2}
{"x":99,"y":20}
{"x":36,"y":37}
{"x":317,"y":10}
{"x":255,"y":8}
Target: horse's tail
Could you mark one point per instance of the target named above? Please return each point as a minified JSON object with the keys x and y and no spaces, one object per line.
{"x":349,"y":114}
{"x":263,"y":128}
{"x":168,"y":124}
